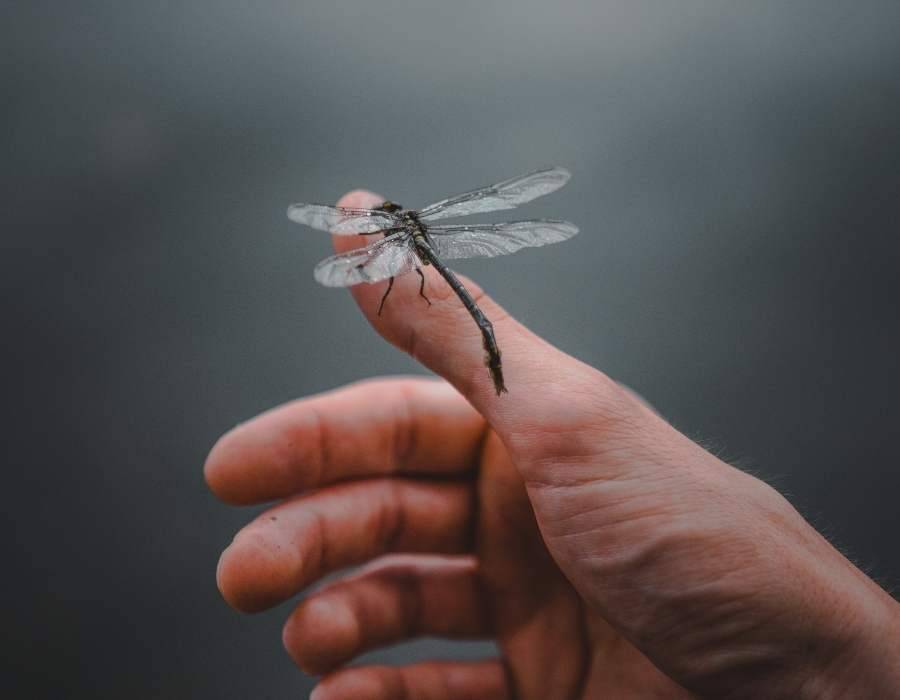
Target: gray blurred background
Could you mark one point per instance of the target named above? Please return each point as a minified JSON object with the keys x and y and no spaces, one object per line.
{"x":737,"y":183}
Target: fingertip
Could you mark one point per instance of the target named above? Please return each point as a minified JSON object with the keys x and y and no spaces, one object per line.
{"x":252,"y":462}
{"x":230,"y":576}
{"x":218,"y":468}
{"x":319,"y":634}
{"x":361,"y":198}
{"x":251,"y":573}
{"x":244,"y":466}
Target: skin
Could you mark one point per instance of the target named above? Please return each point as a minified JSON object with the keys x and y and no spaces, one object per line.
{"x":607,"y":554}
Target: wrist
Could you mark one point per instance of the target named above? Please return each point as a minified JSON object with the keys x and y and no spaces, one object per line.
{"x":869,"y":664}
{"x":771,"y":609}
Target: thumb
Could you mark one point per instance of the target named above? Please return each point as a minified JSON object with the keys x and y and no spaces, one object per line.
{"x":541,"y":380}
{"x":659,"y":535}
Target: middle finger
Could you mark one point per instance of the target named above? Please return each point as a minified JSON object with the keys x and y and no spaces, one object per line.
{"x":294,"y":544}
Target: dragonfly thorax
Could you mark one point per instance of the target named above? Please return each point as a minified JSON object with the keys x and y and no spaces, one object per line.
{"x":410,"y":222}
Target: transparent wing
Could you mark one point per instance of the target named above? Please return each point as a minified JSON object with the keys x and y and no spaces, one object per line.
{"x":504,"y":195}
{"x":389,"y":257}
{"x":491,"y":240}
{"x":343,"y":221}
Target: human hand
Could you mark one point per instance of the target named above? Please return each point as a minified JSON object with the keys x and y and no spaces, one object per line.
{"x":607,"y":554}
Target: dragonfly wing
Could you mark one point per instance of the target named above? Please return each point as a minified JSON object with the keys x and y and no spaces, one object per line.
{"x":390,"y":257}
{"x":491,"y":240}
{"x":344,"y":221}
{"x":504,"y":195}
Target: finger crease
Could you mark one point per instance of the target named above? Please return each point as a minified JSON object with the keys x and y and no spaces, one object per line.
{"x":319,"y":531}
{"x":323,"y":446}
{"x":408,"y":600}
{"x":406,"y":691}
{"x":393,"y":517}
{"x":406,"y":431}
{"x":415,"y":606}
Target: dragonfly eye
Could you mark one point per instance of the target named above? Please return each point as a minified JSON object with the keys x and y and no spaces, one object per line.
{"x":390,"y":207}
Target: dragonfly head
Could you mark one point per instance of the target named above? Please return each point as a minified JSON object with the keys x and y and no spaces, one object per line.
{"x":390,"y":207}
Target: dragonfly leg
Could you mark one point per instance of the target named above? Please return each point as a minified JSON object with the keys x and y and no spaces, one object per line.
{"x":386,"y":292}
{"x":422,"y":285}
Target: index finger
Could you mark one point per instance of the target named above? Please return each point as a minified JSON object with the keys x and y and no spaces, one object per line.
{"x":374,"y":428}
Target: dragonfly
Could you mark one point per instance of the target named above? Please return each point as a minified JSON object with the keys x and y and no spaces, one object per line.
{"x":411,"y":240}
